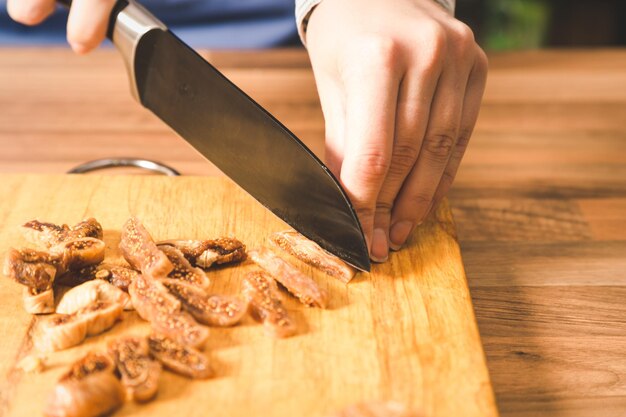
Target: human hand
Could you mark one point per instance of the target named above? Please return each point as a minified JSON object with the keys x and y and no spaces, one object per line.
{"x":86,"y":24}
{"x":400,"y":83}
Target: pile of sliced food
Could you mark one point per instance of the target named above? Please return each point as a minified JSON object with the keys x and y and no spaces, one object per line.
{"x":166,"y":284}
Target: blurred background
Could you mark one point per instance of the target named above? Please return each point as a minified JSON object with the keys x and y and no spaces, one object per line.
{"x":498,"y":24}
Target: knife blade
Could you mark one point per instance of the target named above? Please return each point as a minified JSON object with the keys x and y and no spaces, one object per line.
{"x":234,"y":132}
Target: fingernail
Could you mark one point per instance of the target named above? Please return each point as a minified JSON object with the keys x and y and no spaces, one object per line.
{"x":399,"y":234}
{"x":380,"y":247}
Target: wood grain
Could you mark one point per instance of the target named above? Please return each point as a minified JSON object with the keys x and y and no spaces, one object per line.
{"x":539,"y":199}
{"x":405,"y":332}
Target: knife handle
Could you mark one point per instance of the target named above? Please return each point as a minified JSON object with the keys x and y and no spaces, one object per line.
{"x":128,"y":23}
{"x":117,"y":8}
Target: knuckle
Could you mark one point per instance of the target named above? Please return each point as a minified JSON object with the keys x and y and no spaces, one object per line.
{"x":438,"y":146}
{"x":403,"y":159}
{"x":381,"y":51}
{"x":463,"y":33}
{"x":463,"y":139}
{"x":373,"y":165}
{"x":365,"y":214}
{"x":383,"y":207}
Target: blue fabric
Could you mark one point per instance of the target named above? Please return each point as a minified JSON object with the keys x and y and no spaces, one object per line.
{"x":200,"y":23}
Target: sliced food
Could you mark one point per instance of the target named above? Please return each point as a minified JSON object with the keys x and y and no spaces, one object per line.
{"x":213,"y":310}
{"x":310,"y":252}
{"x":300,"y":285}
{"x":206,"y":253}
{"x":261,"y":291}
{"x":139,"y":371}
{"x":141,"y":252}
{"x":181,"y":359}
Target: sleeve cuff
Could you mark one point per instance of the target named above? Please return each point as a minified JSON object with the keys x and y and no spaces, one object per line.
{"x":305,"y":7}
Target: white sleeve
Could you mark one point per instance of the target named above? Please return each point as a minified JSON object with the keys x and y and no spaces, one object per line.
{"x":305,"y":7}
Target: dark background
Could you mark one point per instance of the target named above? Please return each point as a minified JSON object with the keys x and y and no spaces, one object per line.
{"x":521,"y":24}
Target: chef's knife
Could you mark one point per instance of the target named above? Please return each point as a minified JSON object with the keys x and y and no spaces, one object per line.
{"x":235,"y":133}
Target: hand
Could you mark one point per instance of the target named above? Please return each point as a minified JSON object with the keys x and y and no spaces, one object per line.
{"x":86,"y":24}
{"x":400,"y":83}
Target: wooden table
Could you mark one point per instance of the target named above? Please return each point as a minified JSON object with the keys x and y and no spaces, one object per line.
{"x":540,"y":201}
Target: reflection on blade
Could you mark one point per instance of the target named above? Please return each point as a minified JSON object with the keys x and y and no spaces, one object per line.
{"x":247,"y":144}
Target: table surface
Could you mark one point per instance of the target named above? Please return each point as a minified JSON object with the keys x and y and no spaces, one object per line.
{"x":540,"y":201}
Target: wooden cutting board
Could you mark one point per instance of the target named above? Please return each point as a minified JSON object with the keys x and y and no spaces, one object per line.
{"x":405,"y":332}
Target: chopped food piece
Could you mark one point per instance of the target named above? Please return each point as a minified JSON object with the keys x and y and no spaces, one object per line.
{"x":215,"y":310}
{"x":140,"y":372}
{"x":155,"y":304}
{"x":178,"y":358}
{"x":34,"y":269}
{"x":79,"y":253}
{"x":377,"y":409}
{"x":32,"y":364}
{"x":118,"y":275}
{"x":49,"y":234}
{"x":66,"y":330}
{"x":183,"y":270}
{"x":300,"y":285}
{"x":205,"y":253}
{"x":100,"y":316}
{"x":310,"y":252}
{"x":41,"y":303}
{"x":141,"y":252}
{"x":89,"y":389}
{"x":61,"y":332}
{"x":149,"y":296}
{"x":260,"y":289}
{"x":88,"y":293}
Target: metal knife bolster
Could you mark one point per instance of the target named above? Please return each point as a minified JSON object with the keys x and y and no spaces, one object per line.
{"x":126,"y":29}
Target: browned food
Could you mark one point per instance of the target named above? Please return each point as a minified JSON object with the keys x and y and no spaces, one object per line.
{"x":155,"y":304}
{"x":34,"y":269}
{"x":79,"y":253}
{"x":139,"y":371}
{"x":183,"y":270}
{"x":310,"y":252}
{"x":88,"y":389}
{"x":49,"y":234}
{"x":40,"y":303}
{"x":100,"y":316}
{"x":300,"y":285}
{"x":377,"y":409}
{"x":261,"y":291}
{"x":214,"y":310}
{"x":141,"y":252}
{"x":178,"y":358}
{"x":90,"y":292}
{"x":118,"y":275}
{"x":60,"y":332}
{"x":205,"y":253}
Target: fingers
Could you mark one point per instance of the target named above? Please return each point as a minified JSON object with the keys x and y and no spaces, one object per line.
{"x":416,"y":196}
{"x":371,"y":89}
{"x":30,"y":12}
{"x":471,"y":107}
{"x":413,"y":109}
{"x":87,"y":24}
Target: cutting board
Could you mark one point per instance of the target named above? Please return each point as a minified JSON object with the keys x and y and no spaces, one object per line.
{"x":404,"y":332}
